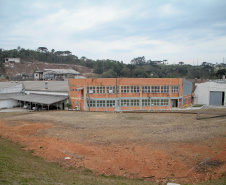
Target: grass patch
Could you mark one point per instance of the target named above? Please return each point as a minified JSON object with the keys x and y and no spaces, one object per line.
{"x":20,"y":167}
{"x":197,"y":105}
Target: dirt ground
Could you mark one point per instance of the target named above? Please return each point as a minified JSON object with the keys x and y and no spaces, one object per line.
{"x":158,"y":147}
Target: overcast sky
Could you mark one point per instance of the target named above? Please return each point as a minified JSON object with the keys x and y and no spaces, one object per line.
{"x":176,"y":30}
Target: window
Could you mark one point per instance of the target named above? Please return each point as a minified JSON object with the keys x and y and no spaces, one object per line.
{"x":100,"y":103}
{"x":146,"y":102}
{"x":155,"y":102}
{"x":174,"y":89}
{"x":124,"y":89}
{"x":146,"y":89}
{"x":164,"y":102}
{"x":164,"y":89}
{"x":124,"y":103}
{"x":184,"y":101}
{"x":155,"y":89}
{"x":110,"y":103}
{"x":111,"y":89}
{"x":135,"y":102}
{"x":189,"y":99}
{"x":135,"y":89}
{"x":101,"y":90}
{"x":91,"y":90}
{"x":91,"y":103}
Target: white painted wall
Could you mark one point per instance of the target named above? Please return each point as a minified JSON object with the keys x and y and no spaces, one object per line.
{"x":8,"y":103}
{"x":202,"y":91}
{"x":16,"y":60}
{"x":48,"y":93}
{"x":13,"y":89}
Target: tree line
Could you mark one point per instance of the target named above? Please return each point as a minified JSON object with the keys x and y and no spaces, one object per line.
{"x":138,"y":68}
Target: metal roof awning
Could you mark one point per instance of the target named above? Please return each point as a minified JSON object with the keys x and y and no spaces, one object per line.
{"x":39,"y":98}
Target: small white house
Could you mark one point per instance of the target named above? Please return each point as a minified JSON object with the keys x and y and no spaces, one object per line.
{"x":12,"y":60}
{"x":210,"y":93}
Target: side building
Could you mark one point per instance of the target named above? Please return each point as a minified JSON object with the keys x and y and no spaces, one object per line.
{"x":124,"y":94}
{"x":34,"y":94}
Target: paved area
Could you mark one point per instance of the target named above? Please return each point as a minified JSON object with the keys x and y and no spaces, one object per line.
{"x":15,"y":110}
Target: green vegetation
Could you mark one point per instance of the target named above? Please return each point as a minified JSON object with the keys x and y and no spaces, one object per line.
{"x":197,"y":105}
{"x":20,"y":167}
{"x":139,"y":67}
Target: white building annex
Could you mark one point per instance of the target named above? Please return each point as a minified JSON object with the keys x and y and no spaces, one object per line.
{"x":12,"y":60}
{"x":211,"y":93}
{"x":51,"y":94}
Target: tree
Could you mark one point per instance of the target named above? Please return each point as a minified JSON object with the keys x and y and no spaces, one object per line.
{"x":109,"y":74}
{"x":220,"y":73}
{"x":138,"y":61}
{"x":42,"y":49}
{"x":139,"y":73}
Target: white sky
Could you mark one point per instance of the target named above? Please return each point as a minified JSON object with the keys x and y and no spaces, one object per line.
{"x":177,"y":30}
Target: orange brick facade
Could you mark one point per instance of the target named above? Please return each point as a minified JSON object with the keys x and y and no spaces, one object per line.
{"x":124,"y":94}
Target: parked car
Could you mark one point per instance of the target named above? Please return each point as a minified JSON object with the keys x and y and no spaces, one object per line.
{"x":27,"y":106}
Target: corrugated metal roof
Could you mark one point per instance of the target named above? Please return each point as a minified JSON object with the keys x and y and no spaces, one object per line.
{"x":56,"y":86}
{"x":6,"y":96}
{"x":42,"y":99}
{"x":62,"y":71}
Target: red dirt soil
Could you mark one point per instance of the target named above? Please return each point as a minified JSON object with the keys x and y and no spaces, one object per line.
{"x":152,"y":161}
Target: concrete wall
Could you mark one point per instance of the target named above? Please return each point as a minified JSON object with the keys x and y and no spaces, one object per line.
{"x":16,"y":60}
{"x":13,"y":89}
{"x":8,"y":103}
{"x":202,"y":91}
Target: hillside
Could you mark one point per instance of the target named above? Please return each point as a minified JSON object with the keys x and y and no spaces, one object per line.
{"x":17,"y":69}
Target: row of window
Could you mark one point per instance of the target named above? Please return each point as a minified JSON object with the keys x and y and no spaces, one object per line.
{"x":132,"y":89}
{"x":128,"y":102}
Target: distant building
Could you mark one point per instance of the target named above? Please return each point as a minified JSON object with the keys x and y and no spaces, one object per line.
{"x":57,"y":74}
{"x":12,"y":60}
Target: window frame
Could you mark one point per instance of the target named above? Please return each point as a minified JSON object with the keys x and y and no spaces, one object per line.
{"x":134,"y":102}
{"x":93,"y":88}
{"x":164,"y":102}
{"x":146,"y":89}
{"x":175,"y":89}
{"x":125,"y":89}
{"x":108,"y":88}
{"x":92,"y":103}
{"x":155,"y":89}
{"x":135,"y":89}
{"x":101,"y":103}
{"x":165,"y":89}
{"x":125,"y":102}
{"x":100,"y":89}
{"x":155,"y":102}
{"x":110,"y":103}
{"x":146,"y":102}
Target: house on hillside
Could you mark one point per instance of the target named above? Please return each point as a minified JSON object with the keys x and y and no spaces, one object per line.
{"x":12,"y":60}
{"x":124,"y":94}
{"x":57,"y":74}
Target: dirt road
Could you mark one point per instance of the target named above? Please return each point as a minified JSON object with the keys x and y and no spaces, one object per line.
{"x":156,"y":147}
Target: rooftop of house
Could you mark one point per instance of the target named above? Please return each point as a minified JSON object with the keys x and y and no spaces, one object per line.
{"x":62,"y":71}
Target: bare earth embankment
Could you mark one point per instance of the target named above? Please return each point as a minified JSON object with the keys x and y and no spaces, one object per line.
{"x":159,"y":147}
